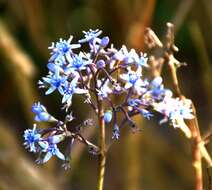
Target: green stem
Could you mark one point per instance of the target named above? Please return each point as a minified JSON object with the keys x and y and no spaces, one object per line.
{"x":102,"y":155}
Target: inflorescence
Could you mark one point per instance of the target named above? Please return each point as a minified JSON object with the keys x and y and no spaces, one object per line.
{"x":100,"y":74}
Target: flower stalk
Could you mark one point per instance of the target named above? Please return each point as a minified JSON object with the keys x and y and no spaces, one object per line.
{"x":102,"y":154}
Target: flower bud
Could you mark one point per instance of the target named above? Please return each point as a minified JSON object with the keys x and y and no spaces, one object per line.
{"x":100,"y":64}
{"x":42,"y":116}
{"x":104,"y":41}
{"x":52,"y":67}
{"x":37,"y":108}
{"x":156,"y":82}
{"x":108,"y":115}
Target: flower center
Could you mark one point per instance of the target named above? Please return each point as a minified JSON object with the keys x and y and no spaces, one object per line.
{"x":133,"y":78}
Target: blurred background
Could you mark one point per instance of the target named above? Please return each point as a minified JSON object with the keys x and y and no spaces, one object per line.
{"x":158,"y":158}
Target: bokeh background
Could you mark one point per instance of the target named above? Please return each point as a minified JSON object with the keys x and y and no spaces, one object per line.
{"x":158,"y":158}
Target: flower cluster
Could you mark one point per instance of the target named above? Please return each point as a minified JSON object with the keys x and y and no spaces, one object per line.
{"x":98,"y":75}
{"x":47,"y":147}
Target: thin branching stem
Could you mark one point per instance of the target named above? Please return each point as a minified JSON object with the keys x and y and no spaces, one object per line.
{"x":193,"y":125}
{"x":102,"y":155}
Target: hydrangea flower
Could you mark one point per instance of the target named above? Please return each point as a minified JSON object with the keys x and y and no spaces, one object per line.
{"x":31,"y":137}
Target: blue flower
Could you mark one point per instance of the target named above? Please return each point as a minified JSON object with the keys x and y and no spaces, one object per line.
{"x":90,"y":35}
{"x":124,"y":55}
{"x":104,"y":89}
{"x":142,"y":60}
{"x":157,"y":90}
{"x":56,"y":82}
{"x":69,"y":90}
{"x":31,"y":137}
{"x":61,"y":48}
{"x":95,"y":43}
{"x":131,"y":57}
{"x":79,"y":62}
{"x":133,"y":79}
{"x":108,"y":115}
{"x":51,"y":151}
{"x":174,"y":109}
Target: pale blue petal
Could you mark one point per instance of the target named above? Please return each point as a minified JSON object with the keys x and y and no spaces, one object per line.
{"x":48,"y":80}
{"x":50,"y":90}
{"x":44,"y":145}
{"x":37,"y":118}
{"x":47,"y":157}
{"x":75,"y":46}
{"x":60,"y":89}
{"x":59,"y":154}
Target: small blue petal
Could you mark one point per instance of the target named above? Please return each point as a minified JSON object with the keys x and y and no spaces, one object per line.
{"x":47,"y":157}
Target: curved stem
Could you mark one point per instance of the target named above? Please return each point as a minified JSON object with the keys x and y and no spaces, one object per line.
{"x":102,"y":155}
